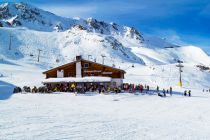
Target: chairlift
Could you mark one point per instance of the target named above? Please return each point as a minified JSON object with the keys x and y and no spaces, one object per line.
{"x":179,"y":61}
{"x":31,"y":55}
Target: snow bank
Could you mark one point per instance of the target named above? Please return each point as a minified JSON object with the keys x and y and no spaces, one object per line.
{"x":6,"y":90}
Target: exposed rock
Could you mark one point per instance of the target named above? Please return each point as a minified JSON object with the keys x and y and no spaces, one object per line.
{"x":58,"y":27}
{"x":202,"y":67}
{"x":80,"y":27}
{"x":115,"y":26}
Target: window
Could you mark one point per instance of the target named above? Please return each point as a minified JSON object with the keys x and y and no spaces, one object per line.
{"x":86,"y":65}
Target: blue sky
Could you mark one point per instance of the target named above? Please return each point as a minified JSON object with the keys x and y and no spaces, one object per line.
{"x":185,"y":22}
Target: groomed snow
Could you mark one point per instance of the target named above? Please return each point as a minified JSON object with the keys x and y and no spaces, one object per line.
{"x":105,"y":117}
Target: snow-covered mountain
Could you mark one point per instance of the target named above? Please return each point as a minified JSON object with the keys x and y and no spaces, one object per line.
{"x":60,"y":39}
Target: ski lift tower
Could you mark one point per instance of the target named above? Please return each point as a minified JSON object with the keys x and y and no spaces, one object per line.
{"x":180,"y":66}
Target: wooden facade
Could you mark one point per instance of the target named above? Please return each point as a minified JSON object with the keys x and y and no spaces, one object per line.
{"x":88,"y":68}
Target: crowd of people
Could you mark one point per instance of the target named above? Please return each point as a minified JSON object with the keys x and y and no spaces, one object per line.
{"x":187,"y":93}
{"x":70,"y":87}
{"x":147,"y":89}
{"x":206,"y":90}
{"x":83,"y":88}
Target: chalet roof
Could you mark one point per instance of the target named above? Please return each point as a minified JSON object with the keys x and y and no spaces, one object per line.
{"x":65,"y":65}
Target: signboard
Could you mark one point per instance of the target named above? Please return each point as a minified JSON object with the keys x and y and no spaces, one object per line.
{"x":106,"y":72}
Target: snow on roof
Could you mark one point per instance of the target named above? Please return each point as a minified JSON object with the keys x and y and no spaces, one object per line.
{"x":76,"y":79}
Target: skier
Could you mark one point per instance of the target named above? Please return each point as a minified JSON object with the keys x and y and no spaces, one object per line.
{"x":131,"y":88}
{"x":157,"y":88}
{"x":73,"y":87}
{"x":171,"y":91}
{"x":185,"y":93}
{"x":99,"y":90}
{"x":140,"y":88}
{"x":189,"y":93}
{"x":147,"y":88}
{"x":34,"y":90}
{"x":164,"y":93}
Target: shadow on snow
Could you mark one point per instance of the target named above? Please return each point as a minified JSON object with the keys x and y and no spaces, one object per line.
{"x":6,"y":90}
{"x":2,"y":61}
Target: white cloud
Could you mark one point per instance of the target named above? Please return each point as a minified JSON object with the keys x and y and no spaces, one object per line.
{"x":183,"y":39}
{"x":171,"y":36}
{"x":93,"y":9}
{"x":145,"y":9}
{"x":71,"y":11}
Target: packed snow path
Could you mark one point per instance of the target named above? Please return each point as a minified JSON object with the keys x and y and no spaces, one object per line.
{"x":122,"y":116}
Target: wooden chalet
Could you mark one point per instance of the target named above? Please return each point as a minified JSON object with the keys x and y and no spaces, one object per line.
{"x":85,"y":71}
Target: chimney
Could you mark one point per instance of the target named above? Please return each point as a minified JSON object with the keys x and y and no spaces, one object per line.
{"x":78,"y":66}
{"x":78,"y":57}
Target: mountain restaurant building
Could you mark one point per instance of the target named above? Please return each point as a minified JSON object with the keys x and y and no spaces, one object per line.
{"x":85,"y":73}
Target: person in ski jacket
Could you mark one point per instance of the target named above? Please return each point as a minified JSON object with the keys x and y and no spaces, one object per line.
{"x":55,"y":89}
{"x":141,"y":88}
{"x":147,"y":88}
{"x":171,"y":91}
{"x":157,"y":88}
{"x":185,"y":93}
{"x":189,"y":93}
{"x":132,"y":88}
{"x":73,"y":87}
{"x":164,"y":93}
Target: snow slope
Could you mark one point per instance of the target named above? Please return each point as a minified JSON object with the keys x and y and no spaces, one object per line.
{"x":146,"y":60}
{"x":154,"y":59}
{"x":105,"y":117}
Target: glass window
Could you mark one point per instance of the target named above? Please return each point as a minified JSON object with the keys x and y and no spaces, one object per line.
{"x":86,"y":65}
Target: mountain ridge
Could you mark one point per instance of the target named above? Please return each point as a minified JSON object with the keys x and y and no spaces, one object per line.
{"x":121,"y":38}
{"x":146,"y":59}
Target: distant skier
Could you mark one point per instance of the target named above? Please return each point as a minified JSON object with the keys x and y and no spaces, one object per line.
{"x":171,"y":91}
{"x":132,"y":88}
{"x":147,"y":88}
{"x":141,"y":88}
{"x":164,"y":93}
{"x":157,"y":88}
{"x":185,"y":93}
{"x":189,"y":93}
